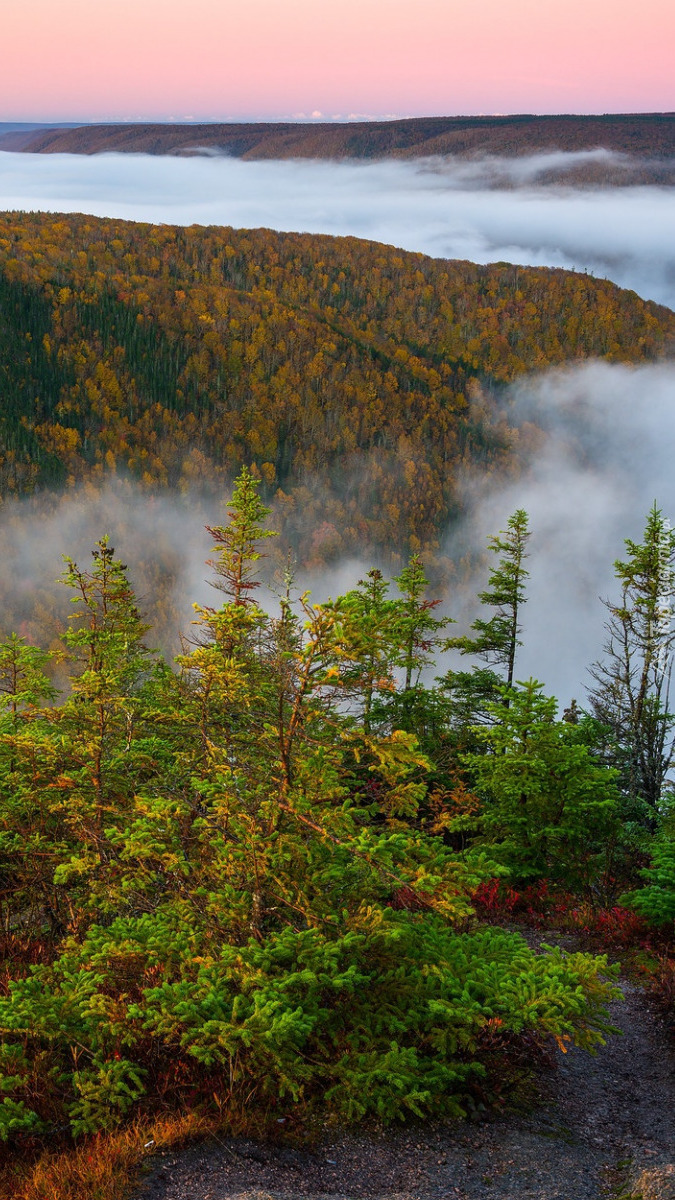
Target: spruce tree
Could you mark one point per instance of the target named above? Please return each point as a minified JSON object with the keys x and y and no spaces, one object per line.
{"x":415,"y":643}
{"x":98,"y":725}
{"x":237,"y":542}
{"x":367,"y":650}
{"x":549,"y":806}
{"x":496,"y":639}
{"x":630,"y":693}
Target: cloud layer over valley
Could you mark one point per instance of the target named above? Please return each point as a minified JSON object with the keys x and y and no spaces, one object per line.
{"x":485,"y":211}
{"x":603,"y":456}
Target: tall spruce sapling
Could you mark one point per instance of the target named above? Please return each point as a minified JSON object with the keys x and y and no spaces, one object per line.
{"x":98,"y":723}
{"x":227,"y":676}
{"x":630,"y":693}
{"x":415,"y":639}
{"x":236,"y":544}
{"x":497,"y":638}
{"x":367,"y":648}
{"x":418,"y":629}
{"x":106,"y":631}
{"x":231,"y":691}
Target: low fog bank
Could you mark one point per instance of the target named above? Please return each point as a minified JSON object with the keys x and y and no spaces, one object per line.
{"x":162,"y":539}
{"x":578,"y":169}
{"x":164,"y":542}
{"x":605,"y":456}
{"x":528,"y":210}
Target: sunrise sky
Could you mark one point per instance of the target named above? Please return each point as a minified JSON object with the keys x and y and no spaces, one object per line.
{"x":255,"y":59}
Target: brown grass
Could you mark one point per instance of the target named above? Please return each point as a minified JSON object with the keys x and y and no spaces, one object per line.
{"x":105,"y":1167}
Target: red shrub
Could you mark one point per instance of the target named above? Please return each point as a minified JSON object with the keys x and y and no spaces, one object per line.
{"x":538,"y":905}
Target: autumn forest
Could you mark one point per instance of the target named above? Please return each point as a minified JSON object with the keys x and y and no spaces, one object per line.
{"x":288,"y":869}
{"x":354,"y":379}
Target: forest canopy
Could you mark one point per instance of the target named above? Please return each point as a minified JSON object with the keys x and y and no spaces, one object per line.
{"x":354,"y":379}
{"x":649,"y":136}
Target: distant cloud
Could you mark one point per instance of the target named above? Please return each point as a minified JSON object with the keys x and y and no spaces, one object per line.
{"x":356,"y":116}
{"x":486,"y":211}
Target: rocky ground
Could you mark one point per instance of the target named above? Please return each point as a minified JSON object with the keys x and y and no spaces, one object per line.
{"x":602,"y":1123}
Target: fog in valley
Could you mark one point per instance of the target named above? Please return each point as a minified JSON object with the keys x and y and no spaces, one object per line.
{"x":530,"y":210}
{"x":605,"y":456}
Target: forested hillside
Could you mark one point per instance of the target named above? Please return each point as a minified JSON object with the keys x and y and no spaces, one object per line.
{"x":647,"y":135}
{"x":354,"y":379}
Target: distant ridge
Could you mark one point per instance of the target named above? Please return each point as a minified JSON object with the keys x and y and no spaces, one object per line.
{"x":14,"y":133}
{"x":645,"y":135}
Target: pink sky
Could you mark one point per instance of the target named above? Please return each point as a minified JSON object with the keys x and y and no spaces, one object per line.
{"x":251,"y":59}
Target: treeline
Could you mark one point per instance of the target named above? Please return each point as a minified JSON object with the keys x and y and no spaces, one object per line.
{"x":355,"y":380}
{"x":248,"y":880}
{"x":647,"y":135}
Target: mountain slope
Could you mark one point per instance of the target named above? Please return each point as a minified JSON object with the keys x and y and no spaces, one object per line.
{"x":357,"y":379}
{"x":647,"y":135}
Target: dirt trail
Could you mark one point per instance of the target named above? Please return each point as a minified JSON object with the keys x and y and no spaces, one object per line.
{"x":599,"y":1117}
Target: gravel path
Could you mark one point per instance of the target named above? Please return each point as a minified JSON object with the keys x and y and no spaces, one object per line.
{"x":600,"y":1116}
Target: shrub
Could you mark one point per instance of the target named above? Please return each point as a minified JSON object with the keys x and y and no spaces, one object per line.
{"x":385,"y":1017}
{"x":656,"y":901}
